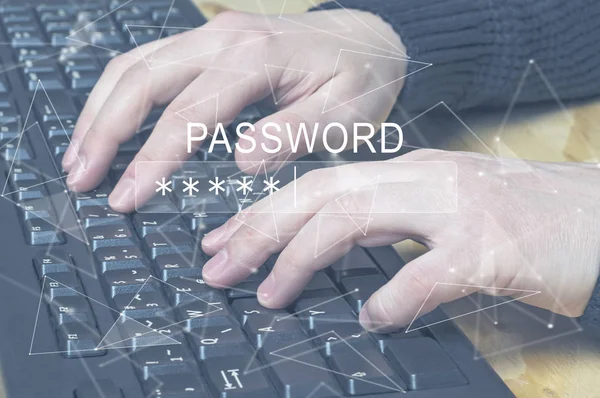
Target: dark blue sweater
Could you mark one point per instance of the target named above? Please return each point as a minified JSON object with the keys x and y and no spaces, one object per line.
{"x":480,"y":48}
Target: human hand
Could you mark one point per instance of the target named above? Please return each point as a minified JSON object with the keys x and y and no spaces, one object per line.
{"x":128,"y":90}
{"x":517,"y":225}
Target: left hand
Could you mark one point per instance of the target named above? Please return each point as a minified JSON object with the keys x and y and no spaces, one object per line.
{"x":518,"y":225}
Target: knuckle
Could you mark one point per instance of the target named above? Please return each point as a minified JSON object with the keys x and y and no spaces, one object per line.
{"x":422,"y":154}
{"x":351,"y":203}
{"x":230,"y":18}
{"x":418,"y":282}
{"x":135,"y":71}
{"x":117,"y":64}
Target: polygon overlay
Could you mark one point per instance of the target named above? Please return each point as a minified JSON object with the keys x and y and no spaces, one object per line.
{"x":66,"y":217}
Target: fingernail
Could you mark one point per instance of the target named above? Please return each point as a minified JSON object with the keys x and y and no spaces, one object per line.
{"x":76,"y":174}
{"x":71,"y":155}
{"x":213,"y":237}
{"x":266,"y":290}
{"x":364,"y":318}
{"x":215,"y":266}
{"x":123,"y":193}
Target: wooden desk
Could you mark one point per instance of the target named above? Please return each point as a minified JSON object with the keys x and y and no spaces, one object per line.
{"x":565,"y":367}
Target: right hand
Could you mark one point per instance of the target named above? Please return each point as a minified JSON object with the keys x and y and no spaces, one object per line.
{"x":129,"y":89}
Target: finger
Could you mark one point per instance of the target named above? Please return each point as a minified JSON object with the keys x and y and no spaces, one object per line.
{"x":167,"y":147}
{"x":101,"y":91}
{"x":138,"y":90}
{"x":437,"y":277}
{"x":245,"y":242}
{"x":304,"y":128}
{"x":331,"y":233}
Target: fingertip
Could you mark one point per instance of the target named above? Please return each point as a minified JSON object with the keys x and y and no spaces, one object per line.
{"x":212,"y":241}
{"x":122,"y":198}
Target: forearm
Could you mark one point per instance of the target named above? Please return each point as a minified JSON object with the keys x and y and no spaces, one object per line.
{"x":481,"y":48}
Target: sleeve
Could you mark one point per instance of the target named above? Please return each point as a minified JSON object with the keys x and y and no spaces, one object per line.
{"x":480,"y":49}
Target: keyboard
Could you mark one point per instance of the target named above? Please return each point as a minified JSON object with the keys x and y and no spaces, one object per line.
{"x":98,"y":304}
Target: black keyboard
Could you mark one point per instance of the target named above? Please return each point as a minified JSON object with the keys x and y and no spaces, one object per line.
{"x":98,"y":304}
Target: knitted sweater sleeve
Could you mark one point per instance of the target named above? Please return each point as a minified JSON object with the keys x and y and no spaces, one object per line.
{"x":480,"y":50}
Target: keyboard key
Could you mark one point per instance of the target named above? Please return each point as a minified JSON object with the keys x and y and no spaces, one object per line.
{"x":50,"y":80}
{"x":184,"y":385}
{"x":79,"y":340}
{"x":98,"y":388}
{"x":298,"y":378}
{"x":161,"y":360}
{"x":382,"y":339}
{"x":71,"y":309}
{"x":56,"y":129}
{"x":53,"y":261}
{"x":100,"y":215}
{"x":62,"y":284}
{"x":146,"y":304}
{"x":261,"y":328}
{"x":146,"y":223}
{"x":57,"y":106}
{"x":219,"y":341}
{"x":250,"y":307}
{"x":27,"y":39}
{"x":120,"y":257}
{"x":336,"y":338}
{"x":187,"y":265}
{"x":364,"y":287}
{"x":228,"y":378}
{"x":97,"y":197}
{"x":126,"y":280}
{"x":40,"y":232}
{"x":423,"y":363}
{"x":110,"y":235}
{"x":182,"y":289}
{"x":202,"y":223}
{"x":370,"y":373}
{"x":168,"y":243}
{"x":36,"y":209}
{"x":84,"y":79}
{"x":313,"y":311}
{"x":198,"y":313}
{"x":354,"y":263}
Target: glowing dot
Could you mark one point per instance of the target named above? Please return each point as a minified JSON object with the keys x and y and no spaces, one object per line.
{"x":254,"y":270}
{"x":463,"y":290}
{"x":450,"y":179}
{"x":497,"y":139}
{"x":532,"y":61}
{"x":452,"y":270}
{"x":579,"y":210}
{"x":550,"y":326}
{"x":480,"y":174}
{"x":556,"y":191}
{"x":368,"y":66}
{"x":495,"y":322}
{"x":505,"y":183}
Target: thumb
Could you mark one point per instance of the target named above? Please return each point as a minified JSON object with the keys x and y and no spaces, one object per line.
{"x":419,"y":287}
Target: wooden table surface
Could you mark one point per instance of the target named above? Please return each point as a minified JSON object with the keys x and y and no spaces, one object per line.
{"x":561,"y":367}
